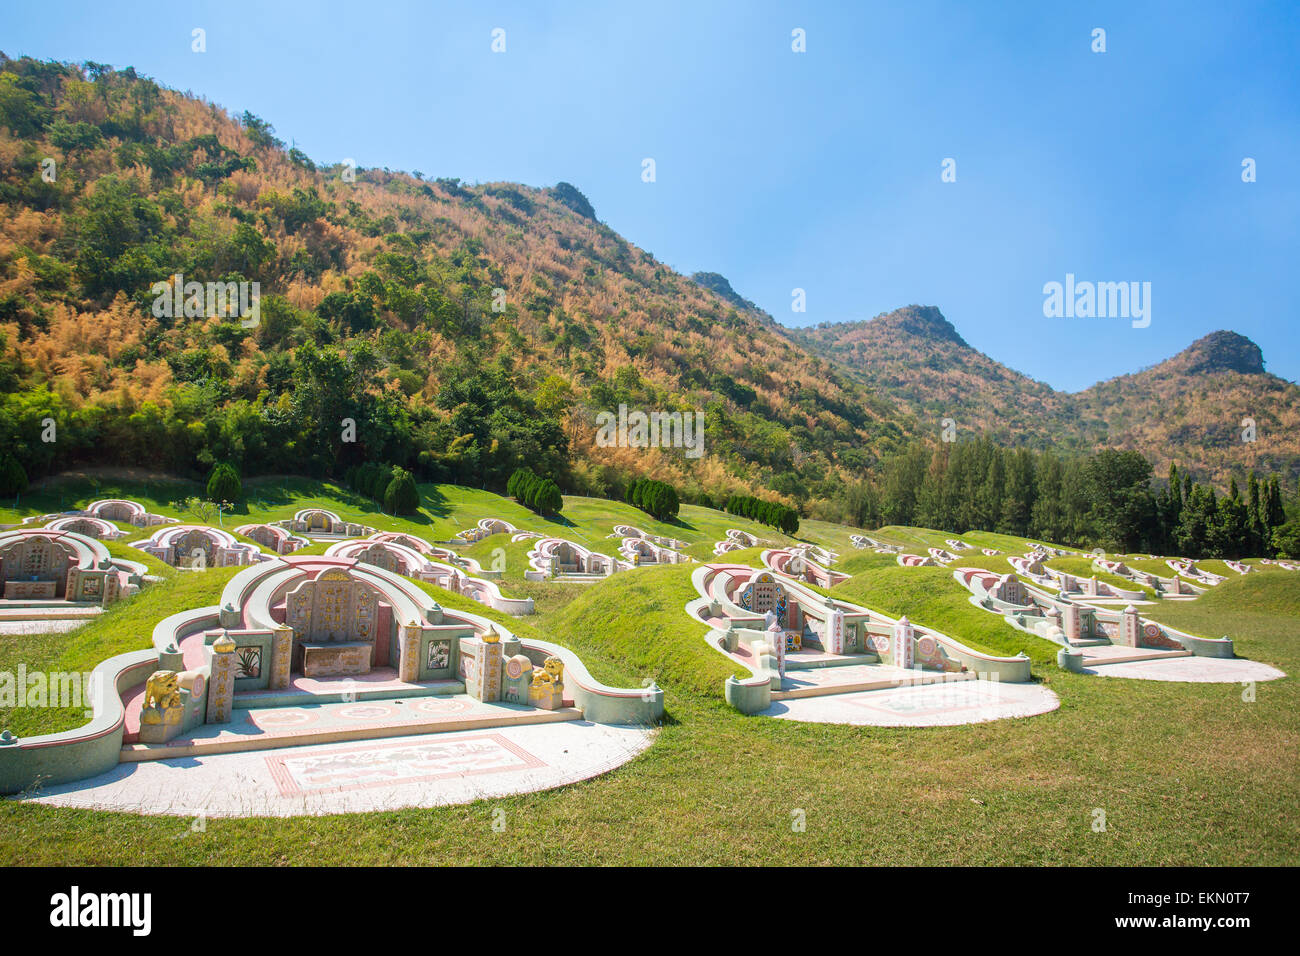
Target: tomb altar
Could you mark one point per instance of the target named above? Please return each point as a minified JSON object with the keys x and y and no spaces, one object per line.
{"x":30,"y":590}
{"x":343,"y":659}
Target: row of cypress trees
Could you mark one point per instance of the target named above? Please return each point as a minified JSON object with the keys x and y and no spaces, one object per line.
{"x":656,"y":498}
{"x":391,"y":484}
{"x":770,"y":513}
{"x":538,"y":494}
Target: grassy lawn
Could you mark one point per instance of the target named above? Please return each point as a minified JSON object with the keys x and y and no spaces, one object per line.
{"x":124,"y":626}
{"x":1082,"y":568}
{"x":930,"y":597}
{"x":1186,"y":774}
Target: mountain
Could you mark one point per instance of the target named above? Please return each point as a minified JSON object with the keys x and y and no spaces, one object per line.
{"x":719,"y":285}
{"x":463,"y":329}
{"x":917,"y":357}
{"x":1188,"y":409}
{"x":1192,"y":409}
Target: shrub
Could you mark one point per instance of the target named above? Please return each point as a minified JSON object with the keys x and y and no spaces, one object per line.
{"x":765,"y":512}
{"x":401,"y":497}
{"x":13,"y":477}
{"x":537,"y":494}
{"x":224,"y":483}
{"x":656,"y":498}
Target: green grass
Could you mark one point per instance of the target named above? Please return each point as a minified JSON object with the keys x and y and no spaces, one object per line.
{"x":1156,"y":567}
{"x":1187,"y":774}
{"x":1251,"y":605}
{"x":125,"y":626}
{"x":930,"y":597}
{"x":1082,"y":568}
{"x":639,"y":618}
{"x":444,"y":510}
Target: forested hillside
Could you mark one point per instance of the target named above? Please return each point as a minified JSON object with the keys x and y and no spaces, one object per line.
{"x":465,"y":329}
{"x":1186,"y":410}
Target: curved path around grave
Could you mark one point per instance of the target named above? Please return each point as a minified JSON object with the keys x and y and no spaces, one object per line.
{"x":943,"y":704}
{"x":1190,"y":670}
{"x":814,"y":684}
{"x":359,"y":777}
{"x":1165,"y":653}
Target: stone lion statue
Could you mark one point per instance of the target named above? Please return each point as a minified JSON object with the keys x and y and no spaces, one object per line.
{"x":163,"y":689}
{"x":552,"y":672}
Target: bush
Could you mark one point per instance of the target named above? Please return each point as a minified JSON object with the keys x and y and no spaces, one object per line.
{"x":656,"y":498}
{"x":13,"y":477}
{"x":224,"y":483}
{"x":765,"y":512}
{"x":537,"y":494}
{"x":401,"y":497}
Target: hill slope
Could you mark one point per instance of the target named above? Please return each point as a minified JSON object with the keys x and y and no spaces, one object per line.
{"x":916,"y":356}
{"x":1191,"y":407}
{"x":466,"y":329}
{"x":1188,"y":409}
{"x":463,"y":330}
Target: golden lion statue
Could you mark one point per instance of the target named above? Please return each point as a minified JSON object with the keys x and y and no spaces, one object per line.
{"x":162,"y":690}
{"x":552,"y":672}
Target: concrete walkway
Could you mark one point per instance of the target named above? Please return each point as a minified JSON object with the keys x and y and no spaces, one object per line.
{"x":928,"y":705}
{"x":269,"y":728}
{"x":47,"y":626}
{"x":356,"y":777}
{"x":1190,"y":670}
{"x":818,"y":682}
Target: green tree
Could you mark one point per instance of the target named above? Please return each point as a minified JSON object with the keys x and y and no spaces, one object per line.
{"x":13,"y":478}
{"x":1286,"y":539}
{"x":224,"y":483}
{"x":401,"y":497}
{"x":1120,"y":493}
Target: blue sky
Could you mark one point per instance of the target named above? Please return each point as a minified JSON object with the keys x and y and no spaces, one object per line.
{"x":816,"y":170}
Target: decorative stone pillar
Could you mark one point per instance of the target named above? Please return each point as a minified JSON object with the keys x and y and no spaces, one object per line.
{"x":485,"y":683}
{"x":1130,"y":627}
{"x":229,"y":616}
{"x":281,"y":657}
{"x":833,"y":639}
{"x":1070,"y":621}
{"x":904,"y":643}
{"x":221,"y":688}
{"x":776,"y":637}
{"x":408,"y":651}
{"x":490,"y":666}
{"x":1053,"y":618}
{"x":170,"y":658}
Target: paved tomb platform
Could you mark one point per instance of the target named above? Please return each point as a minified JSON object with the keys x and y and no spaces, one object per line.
{"x":1189,"y":670}
{"x":357,"y":777}
{"x":265,"y":728}
{"x":47,"y":611}
{"x":41,"y":626}
{"x":1095,"y":654}
{"x":941,"y":704}
{"x":849,"y":677}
